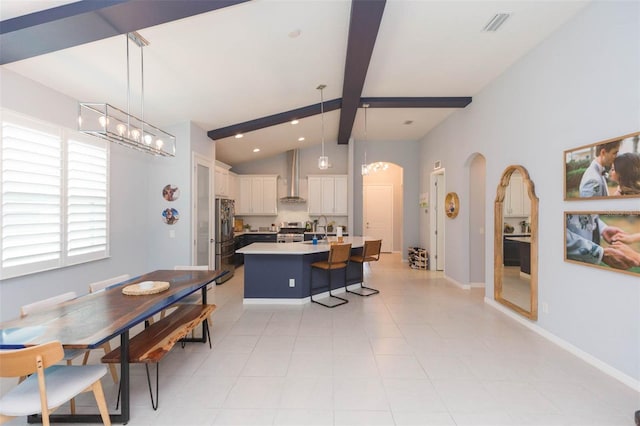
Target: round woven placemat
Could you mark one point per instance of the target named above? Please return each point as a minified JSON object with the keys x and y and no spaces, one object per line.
{"x":136,"y":290}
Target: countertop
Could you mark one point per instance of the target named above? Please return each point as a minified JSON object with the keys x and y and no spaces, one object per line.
{"x":237,"y":234}
{"x":520,"y":239}
{"x":297,"y":248}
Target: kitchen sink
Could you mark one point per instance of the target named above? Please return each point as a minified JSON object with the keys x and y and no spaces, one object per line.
{"x":319,"y":242}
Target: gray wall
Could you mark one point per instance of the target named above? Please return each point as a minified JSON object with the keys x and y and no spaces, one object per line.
{"x":578,"y":87}
{"x":139,"y":240}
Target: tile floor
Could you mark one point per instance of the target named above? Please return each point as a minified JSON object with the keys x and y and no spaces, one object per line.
{"x":422,"y":352}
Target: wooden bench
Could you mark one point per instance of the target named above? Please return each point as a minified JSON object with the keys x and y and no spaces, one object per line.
{"x":156,"y":340}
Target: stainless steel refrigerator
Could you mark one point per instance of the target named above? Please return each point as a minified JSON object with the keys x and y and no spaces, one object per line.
{"x":224,"y":243}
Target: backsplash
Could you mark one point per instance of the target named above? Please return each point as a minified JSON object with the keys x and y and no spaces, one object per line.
{"x":289,"y":213}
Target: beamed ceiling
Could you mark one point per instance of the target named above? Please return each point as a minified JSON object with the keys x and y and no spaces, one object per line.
{"x":250,"y":67}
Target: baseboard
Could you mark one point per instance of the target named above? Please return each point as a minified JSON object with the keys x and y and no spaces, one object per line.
{"x":477,"y":285}
{"x":588,"y":358}
{"x":457,"y":284}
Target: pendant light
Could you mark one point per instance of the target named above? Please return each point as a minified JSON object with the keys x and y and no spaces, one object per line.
{"x":323,"y":161}
{"x":365,"y":167}
{"x":122,"y":127}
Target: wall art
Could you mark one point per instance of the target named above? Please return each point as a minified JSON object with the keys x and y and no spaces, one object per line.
{"x":170,"y":216}
{"x":605,"y":169}
{"x":170,"y":193}
{"x":608,"y":240}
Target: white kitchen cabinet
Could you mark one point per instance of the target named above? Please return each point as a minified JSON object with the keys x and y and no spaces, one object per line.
{"x":327,"y":195}
{"x":258,"y":195}
{"x":233,"y":186}
{"x":222,"y":180}
{"x":516,"y":200}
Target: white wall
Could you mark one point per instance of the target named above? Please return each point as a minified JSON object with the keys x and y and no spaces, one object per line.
{"x":578,"y":87}
{"x":139,"y":239}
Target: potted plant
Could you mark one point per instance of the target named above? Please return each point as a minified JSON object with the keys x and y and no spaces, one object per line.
{"x":330,"y":226}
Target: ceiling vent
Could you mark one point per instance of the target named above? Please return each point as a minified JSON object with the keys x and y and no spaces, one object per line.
{"x":496,"y":22}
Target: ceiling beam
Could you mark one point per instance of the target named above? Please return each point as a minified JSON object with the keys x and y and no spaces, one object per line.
{"x":425,"y":102}
{"x":272,"y":120}
{"x":364,"y":24}
{"x":86,"y":21}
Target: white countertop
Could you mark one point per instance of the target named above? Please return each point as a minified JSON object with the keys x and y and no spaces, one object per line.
{"x":297,"y":248}
{"x":520,"y":239}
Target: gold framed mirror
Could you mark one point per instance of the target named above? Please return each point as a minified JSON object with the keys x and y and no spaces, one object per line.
{"x":515,"y":269}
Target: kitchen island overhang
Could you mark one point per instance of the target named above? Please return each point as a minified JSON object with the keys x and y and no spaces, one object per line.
{"x":281,"y":272}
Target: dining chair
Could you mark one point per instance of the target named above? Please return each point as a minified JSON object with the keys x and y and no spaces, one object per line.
{"x":48,"y":386}
{"x":94,"y":287}
{"x":41,"y":305}
{"x":370,"y":253}
{"x":338,"y":259}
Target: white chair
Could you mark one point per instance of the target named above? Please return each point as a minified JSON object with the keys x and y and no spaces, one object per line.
{"x":97,"y":286}
{"x":51,"y":386}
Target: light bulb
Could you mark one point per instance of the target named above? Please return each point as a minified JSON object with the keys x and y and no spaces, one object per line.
{"x":135,"y":135}
{"x":323,"y":162}
{"x":159,"y":143}
{"x":103,"y":121}
{"x":364,"y":170}
{"x":148,"y":139}
{"x":121,"y":128}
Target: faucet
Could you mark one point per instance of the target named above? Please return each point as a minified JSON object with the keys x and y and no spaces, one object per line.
{"x":325,"y":226}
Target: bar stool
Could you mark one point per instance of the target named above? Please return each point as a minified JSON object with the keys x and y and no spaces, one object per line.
{"x":338,"y":259}
{"x":370,"y":253}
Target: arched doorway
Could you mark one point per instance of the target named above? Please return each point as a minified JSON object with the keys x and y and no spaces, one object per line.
{"x":477,"y":209}
{"x":382,"y":211}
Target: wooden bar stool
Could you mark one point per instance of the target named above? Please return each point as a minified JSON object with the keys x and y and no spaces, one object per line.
{"x":370,"y":253}
{"x":338,"y":259}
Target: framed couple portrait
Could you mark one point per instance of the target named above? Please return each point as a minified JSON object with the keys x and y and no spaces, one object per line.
{"x":605,"y":169}
{"x":603,"y":239}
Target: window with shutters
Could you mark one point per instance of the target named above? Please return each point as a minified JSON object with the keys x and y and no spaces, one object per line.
{"x":54,"y":191}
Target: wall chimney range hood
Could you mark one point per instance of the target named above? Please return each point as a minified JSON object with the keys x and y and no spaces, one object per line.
{"x":293,"y":179}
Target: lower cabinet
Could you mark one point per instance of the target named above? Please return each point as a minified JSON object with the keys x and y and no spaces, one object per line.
{"x":510,"y":253}
{"x":246,"y":239}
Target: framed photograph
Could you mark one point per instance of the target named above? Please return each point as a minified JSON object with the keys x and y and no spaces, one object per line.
{"x":605,"y":169}
{"x":607,"y":240}
{"x":452,"y":205}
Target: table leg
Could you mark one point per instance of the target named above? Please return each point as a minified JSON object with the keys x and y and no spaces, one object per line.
{"x":124,"y":377}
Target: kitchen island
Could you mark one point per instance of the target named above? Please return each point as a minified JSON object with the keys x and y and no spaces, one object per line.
{"x":524,"y":251}
{"x":281,"y":272}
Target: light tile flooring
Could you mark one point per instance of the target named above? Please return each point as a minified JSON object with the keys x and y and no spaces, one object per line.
{"x":422,"y":352}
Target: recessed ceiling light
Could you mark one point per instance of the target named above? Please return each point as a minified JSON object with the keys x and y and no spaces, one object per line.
{"x":256,"y":149}
{"x":301,"y":138}
{"x":294,"y":121}
{"x":239,"y":135}
{"x":408,"y":122}
{"x":295,"y":33}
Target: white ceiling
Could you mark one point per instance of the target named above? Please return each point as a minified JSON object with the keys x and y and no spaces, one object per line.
{"x":239,"y":63}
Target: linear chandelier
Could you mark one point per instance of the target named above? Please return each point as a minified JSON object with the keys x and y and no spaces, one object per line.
{"x":115,"y":125}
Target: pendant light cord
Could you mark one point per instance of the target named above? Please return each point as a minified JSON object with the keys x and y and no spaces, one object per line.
{"x":322,"y":116}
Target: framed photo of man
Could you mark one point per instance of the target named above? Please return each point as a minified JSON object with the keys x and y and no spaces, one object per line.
{"x":607,"y":240}
{"x":605,"y":169}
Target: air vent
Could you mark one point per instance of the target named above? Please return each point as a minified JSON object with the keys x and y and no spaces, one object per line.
{"x":496,"y":22}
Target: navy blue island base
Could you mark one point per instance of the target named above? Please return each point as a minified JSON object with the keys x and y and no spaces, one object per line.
{"x":283,"y":270}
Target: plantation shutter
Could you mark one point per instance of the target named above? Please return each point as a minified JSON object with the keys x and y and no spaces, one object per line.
{"x":87,"y":194}
{"x":31,"y":220}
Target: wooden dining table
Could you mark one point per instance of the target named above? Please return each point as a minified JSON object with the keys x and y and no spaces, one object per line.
{"x":89,"y":321}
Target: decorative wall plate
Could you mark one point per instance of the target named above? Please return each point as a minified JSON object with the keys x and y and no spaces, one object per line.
{"x":451,"y":204}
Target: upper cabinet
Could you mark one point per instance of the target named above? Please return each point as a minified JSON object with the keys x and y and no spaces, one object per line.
{"x":327,"y":195}
{"x":258,"y":195}
{"x":516,"y":200}
{"x":234,"y":190}
{"x":222,"y":189}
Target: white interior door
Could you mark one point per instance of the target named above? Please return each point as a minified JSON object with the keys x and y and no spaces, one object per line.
{"x":203,"y":231}
{"x":437,"y":222}
{"x":378,"y":214}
